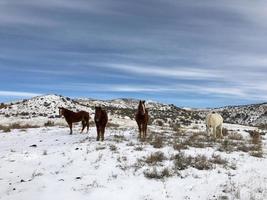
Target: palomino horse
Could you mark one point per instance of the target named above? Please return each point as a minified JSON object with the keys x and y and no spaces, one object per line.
{"x":141,"y":118}
{"x":101,"y":120}
{"x":72,"y":117}
{"x":214,"y":121}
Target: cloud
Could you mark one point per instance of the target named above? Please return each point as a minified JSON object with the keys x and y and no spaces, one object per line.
{"x":174,"y":72}
{"x":210,"y":50}
{"x":17,"y":94}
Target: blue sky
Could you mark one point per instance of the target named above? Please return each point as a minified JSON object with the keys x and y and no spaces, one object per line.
{"x":190,"y":53}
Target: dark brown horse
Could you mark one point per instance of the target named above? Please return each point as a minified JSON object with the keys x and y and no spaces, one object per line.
{"x":72,"y":117}
{"x":141,"y":118}
{"x":101,"y":120}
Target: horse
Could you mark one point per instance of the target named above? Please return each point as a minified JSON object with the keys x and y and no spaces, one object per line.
{"x":101,"y":120}
{"x":141,"y":117}
{"x":72,"y":117}
{"x":214,"y":121}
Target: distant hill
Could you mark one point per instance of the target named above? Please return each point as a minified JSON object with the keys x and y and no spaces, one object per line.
{"x":47,"y":106}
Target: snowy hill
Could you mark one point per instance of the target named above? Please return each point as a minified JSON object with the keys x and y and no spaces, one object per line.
{"x":45,"y":107}
{"x":251,"y":115}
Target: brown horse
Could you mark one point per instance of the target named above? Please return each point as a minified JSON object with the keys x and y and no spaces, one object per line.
{"x":101,"y":120}
{"x":72,"y":117}
{"x":141,"y":118}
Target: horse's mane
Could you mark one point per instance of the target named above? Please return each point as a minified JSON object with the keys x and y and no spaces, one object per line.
{"x":67,"y":110}
{"x":140,"y":107}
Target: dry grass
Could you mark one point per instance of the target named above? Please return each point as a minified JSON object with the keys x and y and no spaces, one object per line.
{"x":49,"y":123}
{"x":200,"y":162}
{"x":113,"y":147}
{"x":119,"y":138}
{"x":9,"y":127}
{"x":112,"y":125}
{"x":235,"y":136}
{"x":157,"y":142}
{"x":256,"y":141}
{"x":181,"y":162}
{"x":225,"y":132}
{"x":155,"y":158}
{"x":157,"y":174}
{"x":5,"y":129}
{"x":179,"y":145}
{"x":138,"y":148}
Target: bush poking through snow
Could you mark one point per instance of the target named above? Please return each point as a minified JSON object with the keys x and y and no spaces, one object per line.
{"x":200,"y":162}
{"x":225,"y":132}
{"x":112,"y":125}
{"x":112,"y":147}
{"x":179,"y":145}
{"x":157,"y":174}
{"x":5,"y":129}
{"x":16,"y":126}
{"x":119,"y":138}
{"x":181,"y":162}
{"x":155,"y":158}
{"x":157,"y":142}
{"x":235,"y":136}
{"x":49,"y":123}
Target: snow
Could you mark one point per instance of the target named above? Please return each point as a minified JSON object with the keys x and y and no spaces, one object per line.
{"x":78,"y":167}
{"x":48,"y":163}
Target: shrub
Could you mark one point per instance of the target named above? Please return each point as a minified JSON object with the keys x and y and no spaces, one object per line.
{"x":176,"y":128}
{"x":182,"y":162}
{"x":49,"y":123}
{"x":225,"y":132}
{"x":217,"y":159}
{"x":179,"y":145}
{"x":256,"y":136}
{"x":5,"y":129}
{"x":16,"y":126}
{"x":157,"y":142}
{"x":201,"y":163}
{"x":112,"y":147}
{"x":112,"y":125}
{"x":22,"y":126}
{"x":155,"y":174}
{"x":2,"y":105}
{"x":155,"y":158}
{"x":235,"y":136}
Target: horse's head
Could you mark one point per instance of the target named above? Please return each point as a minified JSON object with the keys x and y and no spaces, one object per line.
{"x":98,"y":112}
{"x":61,"y":111}
{"x":141,"y":107}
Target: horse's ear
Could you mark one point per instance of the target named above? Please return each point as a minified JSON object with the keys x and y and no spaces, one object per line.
{"x":144,"y":101}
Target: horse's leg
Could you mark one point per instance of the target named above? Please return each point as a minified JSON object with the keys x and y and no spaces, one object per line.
{"x":208,"y":130}
{"x":221,"y":131}
{"x":139,"y":128}
{"x":87,"y":124}
{"x":98,"y":132}
{"x":145,"y":130}
{"x":70,"y":125}
{"x":83,"y":125}
{"x":102,"y":133}
{"x":214,"y":131}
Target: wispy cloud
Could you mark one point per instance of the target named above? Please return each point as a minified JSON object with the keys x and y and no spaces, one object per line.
{"x":173,"y":72}
{"x":18,"y":94}
{"x":212,"y":51}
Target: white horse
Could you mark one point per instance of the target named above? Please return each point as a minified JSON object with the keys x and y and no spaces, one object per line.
{"x":214,"y":121}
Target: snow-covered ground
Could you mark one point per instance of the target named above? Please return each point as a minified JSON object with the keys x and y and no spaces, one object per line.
{"x":48,"y":163}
